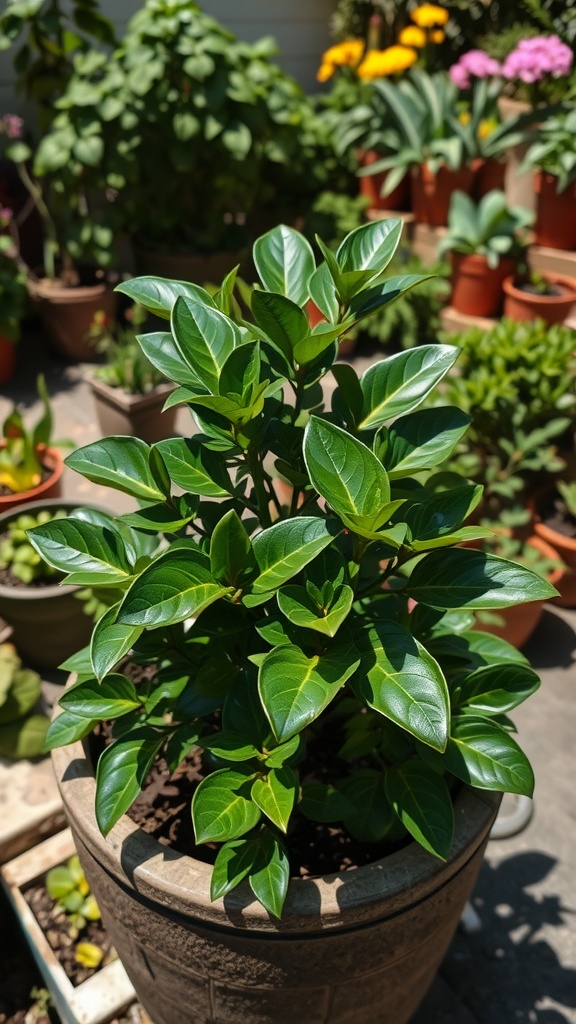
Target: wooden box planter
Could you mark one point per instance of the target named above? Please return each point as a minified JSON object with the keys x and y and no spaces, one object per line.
{"x":139,"y":415}
{"x":94,"y":1001}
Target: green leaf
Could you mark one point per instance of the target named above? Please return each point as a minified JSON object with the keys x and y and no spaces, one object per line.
{"x":286,"y":547}
{"x":231,"y":557}
{"x":275,"y":794}
{"x":240,"y":375}
{"x":195,"y":468}
{"x":459,"y":578}
{"x":438,"y":515}
{"x":177,"y":585}
{"x":299,"y":608}
{"x":269,"y":881}
{"x":90,"y":554}
{"x":398,"y":384}
{"x":67,"y":728}
{"x":372,"y":815}
{"x":162,"y":351}
{"x":119,"y":462}
{"x":422,"y":801}
{"x":343,"y":470}
{"x":285,"y":263}
{"x":222,"y":808}
{"x":163,"y":518}
{"x":229,"y":746}
{"x":322,"y":802}
{"x":278,"y":757}
{"x":205,"y":338}
{"x":496,"y":688}
{"x":284,"y":322}
{"x":423,"y":439}
{"x":158,"y":295}
{"x":234,"y":861}
{"x":24,"y":739}
{"x":295,"y":687}
{"x":370,"y":246}
{"x":381,"y":294}
{"x":483,"y":755}
{"x":22,"y":695}
{"x":323,"y":293}
{"x":113,"y":697}
{"x":121,"y":773}
{"x":110,"y":642}
{"x":401,"y":680}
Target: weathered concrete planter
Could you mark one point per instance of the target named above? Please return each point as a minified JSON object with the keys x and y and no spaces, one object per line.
{"x":138,"y":415}
{"x":352,"y":948}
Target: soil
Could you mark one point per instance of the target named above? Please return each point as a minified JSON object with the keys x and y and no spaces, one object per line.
{"x":551,"y":291}
{"x":56,"y":927}
{"x":5,"y":492}
{"x":555,"y":516}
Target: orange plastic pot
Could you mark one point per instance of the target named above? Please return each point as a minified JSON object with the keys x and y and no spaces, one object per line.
{"x":7,"y":359}
{"x":49,"y":488}
{"x":564,"y":548}
{"x":555,"y":213}
{"x":554,"y":309}
{"x":431,"y":192}
{"x":476,"y":287}
{"x":371,"y":185}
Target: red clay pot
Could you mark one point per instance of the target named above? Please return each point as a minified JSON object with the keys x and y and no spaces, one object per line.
{"x":49,"y":488}
{"x":67,"y":315}
{"x":371,"y":185}
{"x":431,"y":193}
{"x":564,"y":549}
{"x":555,"y":213}
{"x":489,"y":175}
{"x":476,"y":287}
{"x":554,"y":309}
{"x":7,"y":359}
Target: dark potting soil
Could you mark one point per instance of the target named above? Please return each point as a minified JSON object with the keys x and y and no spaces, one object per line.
{"x":552,"y":290}
{"x":556,"y":516}
{"x":56,"y":927}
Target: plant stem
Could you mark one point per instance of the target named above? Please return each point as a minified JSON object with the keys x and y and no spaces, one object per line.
{"x":258,"y":478}
{"x":51,"y":247}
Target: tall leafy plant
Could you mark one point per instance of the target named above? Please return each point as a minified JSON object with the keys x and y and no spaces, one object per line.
{"x":322,"y":624}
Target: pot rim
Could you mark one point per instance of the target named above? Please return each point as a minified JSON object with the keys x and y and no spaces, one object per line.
{"x":49,"y":290}
{"x":545,"y":533}
{"x":568,"y":283}
{"x":53,"y":455}
{"x":125,"y":401}
{"x":343,"y":899}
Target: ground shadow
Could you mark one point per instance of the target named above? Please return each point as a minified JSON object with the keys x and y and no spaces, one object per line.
{"x":553,"y":644}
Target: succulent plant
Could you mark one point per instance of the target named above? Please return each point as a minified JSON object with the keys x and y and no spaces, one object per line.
{"x":17,"y":553}
{"x":22,"y":731}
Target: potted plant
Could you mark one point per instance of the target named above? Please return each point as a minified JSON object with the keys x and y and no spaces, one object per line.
{"x":12,"y":299}
{"x":554,"y":511}
{"x":31,"y":464}
{"x":129,"y":391}
{"x":553,"y":157}
{"x":484,"y":242}
{"x":531,"y":296}
{"x":306,"y":676}
{"x":22,"y":726}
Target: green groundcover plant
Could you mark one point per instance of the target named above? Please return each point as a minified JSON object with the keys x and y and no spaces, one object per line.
{"x":339,"y":621}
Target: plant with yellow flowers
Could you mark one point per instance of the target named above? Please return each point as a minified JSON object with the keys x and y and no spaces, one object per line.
{"x":344,"y":55}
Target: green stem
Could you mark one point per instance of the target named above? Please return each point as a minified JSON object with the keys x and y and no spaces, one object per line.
{"x":51,"y":247}
{"x":258,"y":478}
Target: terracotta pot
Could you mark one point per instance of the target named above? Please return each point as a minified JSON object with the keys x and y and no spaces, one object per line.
{"x":564,"y":548}
{"x":555,"y":213}
{"x":476,"y":287}
{"x":490,"y":175}
{"x":352,"y":947}
{"x":200,"y":269}
{"x":49,"y":488}
{"x":554,"y":309}
{"x":431,"y":193}
{"x":371,"y":185}
{"x":138,"y":415}
{"x":48,"y":622}
{"x":67,"y":314}
{"x":7,"y":359}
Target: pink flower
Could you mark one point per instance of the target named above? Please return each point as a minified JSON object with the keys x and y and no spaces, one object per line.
{"x":6,"y":214}
{"x":474,"y":64}
{"x":13,"y":126}
{"x":535,"y":58}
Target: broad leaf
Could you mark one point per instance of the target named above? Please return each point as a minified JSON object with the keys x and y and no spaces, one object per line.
{"x":284,"y":321}
{"x":229,"y":746}
{"x":423,"y":439}
{"x":323,"y":293}
{"x":119,"y":462}
{"x":482,"y":754}
{"x":174,"y":587}
{"x":422,"y":801}
{"x":275,"y":794}
{"x":195,"y":468}
{"x":370,"y":246}
{"x":233,"y":862}
{"x":205,"y":338}
{"x":162,"y":351}
{"x":110,"y":642}
{"x":121,"y":773}
{"x":372,"y":815}
{"x":285,"y":262}
{"x":321,"y":802}
{"x":398,"y":384}
{"x":114,"y":697}
{"x":460,"y":578}
{"x":496,"y":688}
{"x":90,"y":554}
{"x":285,"y":548}
{"x":231,"y":557}
{"x":269,"y":881}
{"x":343,"y":470}
{"x":222,"y":808}
{"x":297,"y":605}
{"x":158,"y":294}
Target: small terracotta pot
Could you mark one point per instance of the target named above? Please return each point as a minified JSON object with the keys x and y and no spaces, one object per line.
{"x":371,"y":185}
{"x":431,"y":193}
{"x":49,"y":488}
{"x":564,"y":549}
{"x":555,"y":213}
{"x":138,"y":415}
{"x":7,"y":359}
{"x":554,"y":309}
{"x":490,"y":175}
{"x":67,"y":314}
{"x":476,"y":287}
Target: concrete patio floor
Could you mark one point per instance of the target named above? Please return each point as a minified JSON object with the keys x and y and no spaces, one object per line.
{"x":521,"y":965}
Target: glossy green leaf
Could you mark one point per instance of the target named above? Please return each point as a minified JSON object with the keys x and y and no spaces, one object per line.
{"x":222,"y":808}
{"x":347,"y":399}
{"x":119,"y":462}
{"x":113,"y":697}
{"x":423,"y":439}
{"x":284,"y":322}
{"x":282,"y":753}
{"x":422,"y":801}
{"x":158,"y":294}
{"x":21,"y":696}
{"x":285,"y":262}
{"x":243,"y":712}
{"x":233,"y":862}
{"x":370,"y":246}
{"x":90,"y":554}
{"x":497,"y":688}
{"x":459,"y":578}
{"x":121,"y":774}
{"x":25,"y":738}
{"x":205,"y":338}
{"x":372,"y":815}
{"x":67,"y":728}
{"x":230,"y":746}
{"x":275,"y":795}
{"x":295,"y":687}
{"x":110,"y":642}
{"x":174,"y":587}
{"x":482,"y":754}
{"x":297,"y":605}
{"x":343,"y":470}
{"x":231,"y":557}
{"x":438,"y":515}
{"x":321,"y":802}
{"x":398,"y":384}
{"x":160,"y":348}
{"x":163,"y":518}
{"x":323,"y":293}
{"x":401,"y":680}
{"x":276,"y":630}
{"x":286,"y":547}
{"x":195,"y":468}
{"x":269,"y":880}
{"x":240,"y":375}
{"x":382,"y":294}
{"x":314,"y":344}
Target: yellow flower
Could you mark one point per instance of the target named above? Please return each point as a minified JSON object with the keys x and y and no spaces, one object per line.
{"x":412,"y":36}
{"x":465,"y":117}
{"x":380,"y":63}
{"x":437,"y":35}
{"x":348,"y":53}
{"x":429,"y":16}
{"x":325,"y":71}
{"x":486,"y":127}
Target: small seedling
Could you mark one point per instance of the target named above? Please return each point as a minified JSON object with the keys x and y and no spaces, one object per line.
{"x":68,"y":886}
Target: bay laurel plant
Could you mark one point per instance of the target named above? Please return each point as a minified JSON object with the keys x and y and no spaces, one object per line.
{"x":333,"y":627}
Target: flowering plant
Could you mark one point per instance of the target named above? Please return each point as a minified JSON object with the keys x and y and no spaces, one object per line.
{"x":535,"y":58}
{"x":12,"y":281}
{"x":554,"y":150}
{"x":471,"y":65}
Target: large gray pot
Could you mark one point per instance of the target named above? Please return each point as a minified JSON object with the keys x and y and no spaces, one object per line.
{"x":48,"y":623}
{"x":357,"y":947}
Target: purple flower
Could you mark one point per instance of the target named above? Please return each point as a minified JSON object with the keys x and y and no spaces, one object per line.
{"x":474,"y":64}
{"x":6,"y":215}
{"x":13,"y":126}
{"x":535,"y":58}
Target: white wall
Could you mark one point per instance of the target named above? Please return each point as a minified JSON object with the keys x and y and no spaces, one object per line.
{"x":300,"y":27}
